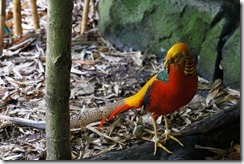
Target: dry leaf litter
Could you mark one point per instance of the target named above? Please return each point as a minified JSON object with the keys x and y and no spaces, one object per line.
{"x":100,"y":74}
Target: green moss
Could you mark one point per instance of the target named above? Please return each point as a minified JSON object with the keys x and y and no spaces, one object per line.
{"x":231,"y":60}
{"x":195,"y":31}
{"x":104,"y":13}
{"x":130,"y":11}
{"x":209,"y":52}
{"x":207,"y":60}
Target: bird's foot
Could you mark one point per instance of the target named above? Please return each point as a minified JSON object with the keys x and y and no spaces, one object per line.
{"x":158,"y":144}
{"x":167,"y":135}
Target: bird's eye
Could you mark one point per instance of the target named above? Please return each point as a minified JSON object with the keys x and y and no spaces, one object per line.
{"x":177,"y":55}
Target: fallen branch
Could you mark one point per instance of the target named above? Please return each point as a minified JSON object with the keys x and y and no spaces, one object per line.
{"x":216,"y":131}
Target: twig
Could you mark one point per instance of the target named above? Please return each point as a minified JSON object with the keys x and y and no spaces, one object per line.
{"x":22,"y":44}
{"x":26,"y":39}
{"x":102,"y":134}
{"x":34,"y":14}
{"x":2,"y":24}
{"x":21,"y":121}
{"x":17,"y":18}
{"x":84,"y":17}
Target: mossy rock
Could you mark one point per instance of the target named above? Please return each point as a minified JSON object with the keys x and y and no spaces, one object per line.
{"x":231,"y":60}
{"x":209,"y":55}
{"x":157,"y":25}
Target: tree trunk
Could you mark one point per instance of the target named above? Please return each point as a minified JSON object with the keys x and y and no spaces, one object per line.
{"x":57,"y":90}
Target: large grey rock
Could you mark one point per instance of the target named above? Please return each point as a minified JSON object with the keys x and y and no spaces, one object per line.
{"x":209,"y":55}
{"x":203,"y":24}
{"x":231,"y":60}
{"x":222,"y":27}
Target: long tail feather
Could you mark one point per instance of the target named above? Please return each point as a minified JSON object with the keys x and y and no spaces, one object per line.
{"x":101,"y":123}
{"x":121,"y":108}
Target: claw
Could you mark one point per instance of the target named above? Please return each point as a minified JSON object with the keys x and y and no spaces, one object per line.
{"x":158,"y":144}
{"x":166,"y":136}
{"x":164,"y":148}
{"x":157,"y":141}
{"x":173,"y":138}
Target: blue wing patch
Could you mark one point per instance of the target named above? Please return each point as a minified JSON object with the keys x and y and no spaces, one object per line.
{"x":163,"y":75}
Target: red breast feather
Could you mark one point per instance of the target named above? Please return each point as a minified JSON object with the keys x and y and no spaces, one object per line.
{"x":166,"y":97}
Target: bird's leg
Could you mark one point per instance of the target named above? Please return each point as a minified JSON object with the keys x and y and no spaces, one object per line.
{"x":156,"y":140}
{"x":167,"y":132}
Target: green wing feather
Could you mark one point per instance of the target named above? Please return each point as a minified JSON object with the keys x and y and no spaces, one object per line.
{"x":163,"y":75}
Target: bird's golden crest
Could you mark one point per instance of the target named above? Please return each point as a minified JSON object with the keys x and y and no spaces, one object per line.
{"x":179,"y":54}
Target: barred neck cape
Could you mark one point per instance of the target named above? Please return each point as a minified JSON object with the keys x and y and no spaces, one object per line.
{"x":177,"y":53}
{"x":190,"y":68}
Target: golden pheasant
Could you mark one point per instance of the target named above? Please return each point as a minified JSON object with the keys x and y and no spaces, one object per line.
{"x":165,"y":92}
